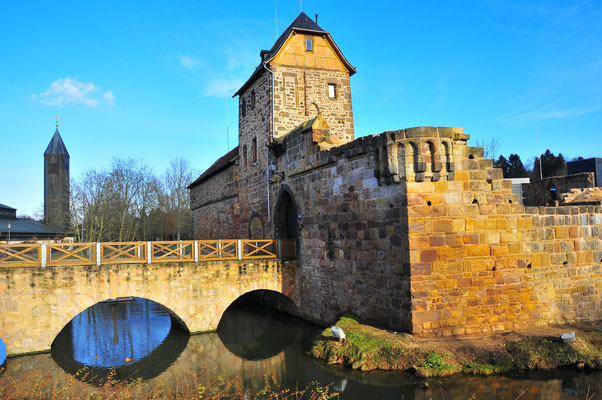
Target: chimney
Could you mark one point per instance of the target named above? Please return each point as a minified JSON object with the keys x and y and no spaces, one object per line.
{"x":316,"y":19}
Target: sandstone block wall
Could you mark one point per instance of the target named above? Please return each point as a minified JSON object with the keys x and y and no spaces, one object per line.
{"x":302,"y":93}
{"x":481,"y":262}
{"x":415,"y":231}
{"x":36,"y":303}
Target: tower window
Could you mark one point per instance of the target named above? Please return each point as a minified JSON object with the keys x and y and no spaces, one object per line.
{"x":243,"y":106}
{"x":252,"y":99}
{"x":254,"y":150}
{"x":332,"y":90}
{"x":309,"y":43}
{"x":244,"y":155}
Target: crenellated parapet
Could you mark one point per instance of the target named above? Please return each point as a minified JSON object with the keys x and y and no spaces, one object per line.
{"x":424,"y":153}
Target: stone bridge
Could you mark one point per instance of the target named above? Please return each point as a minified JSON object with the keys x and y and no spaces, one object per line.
{"x":37,"y":302}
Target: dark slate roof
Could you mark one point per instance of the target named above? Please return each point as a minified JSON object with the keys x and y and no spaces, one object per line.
{"x":301,"y":24}
{"x":7,"y":207}
{"x":56,"y":145}
{"x":25,"y":226}
{"x":221,"y":164}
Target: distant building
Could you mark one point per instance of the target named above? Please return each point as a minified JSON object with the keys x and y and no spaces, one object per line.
{"x":589,"y":165}
{"x":22,"y":229}
{"x":56,"y":183}
{"x":519,"y":188}
{"x":7,"y":212}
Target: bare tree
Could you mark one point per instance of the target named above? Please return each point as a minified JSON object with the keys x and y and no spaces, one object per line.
{"x":491,"y":148}
{"x":176,"y":179}
{"x":112,"y":205}
{"x":128,"y":202}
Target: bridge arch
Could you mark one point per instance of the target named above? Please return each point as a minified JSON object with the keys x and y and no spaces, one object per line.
{"x":257,"y":333}
{"x":195,"y":294}
{"x":77,"y":305}
{"x":102,"y":338}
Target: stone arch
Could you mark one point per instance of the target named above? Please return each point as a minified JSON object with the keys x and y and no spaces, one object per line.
{"x":251,"y":343}
{"x":446,"y":149}
{"x":435,"y":163}
{"x":256,"y":226}
{"x":401,"y":160}
{"x":79,"y":304}
{"x":156,"y":360}
{"x":286,"y":215}
{"x":418,"y":165}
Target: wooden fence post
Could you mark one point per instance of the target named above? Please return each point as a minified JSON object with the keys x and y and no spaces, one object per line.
{"x":98,"y":254}
{"x":149,"y":253}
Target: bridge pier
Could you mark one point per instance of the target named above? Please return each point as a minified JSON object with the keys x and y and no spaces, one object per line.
{"x":37,"y":302}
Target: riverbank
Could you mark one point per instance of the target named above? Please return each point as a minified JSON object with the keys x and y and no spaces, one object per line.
{"x":368,"y":348}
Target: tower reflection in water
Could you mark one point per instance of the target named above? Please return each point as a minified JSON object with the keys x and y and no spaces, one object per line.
{"x":135,"y":338}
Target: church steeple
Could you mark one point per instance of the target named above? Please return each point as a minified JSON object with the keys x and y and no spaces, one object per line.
{"x":56,"y":145}
{"x":56,"y":183}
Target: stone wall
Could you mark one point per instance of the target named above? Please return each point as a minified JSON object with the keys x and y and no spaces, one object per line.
{"x":537,"y":192}
{"x":215,"y":206}
{"x":415,"y":231}
{"x":305,"y":95}
{"x":36,"y":303}
{"x":481,"y":262}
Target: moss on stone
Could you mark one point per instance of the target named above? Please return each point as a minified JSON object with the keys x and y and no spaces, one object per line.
{"x":368,"y":348}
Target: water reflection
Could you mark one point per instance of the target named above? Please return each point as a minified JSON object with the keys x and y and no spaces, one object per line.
{"x":135,"y":338}
{"x":257,"y":333}
{"x":253,"y":342}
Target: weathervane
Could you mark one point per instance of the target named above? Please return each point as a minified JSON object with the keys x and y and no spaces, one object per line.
{"x":57,"y":121}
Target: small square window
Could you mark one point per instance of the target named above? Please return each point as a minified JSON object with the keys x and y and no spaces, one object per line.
{"x":332,"y":90}
{"x":309,"y":43}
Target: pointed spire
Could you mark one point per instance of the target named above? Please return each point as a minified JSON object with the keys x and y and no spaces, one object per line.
{"x":56,"y":145}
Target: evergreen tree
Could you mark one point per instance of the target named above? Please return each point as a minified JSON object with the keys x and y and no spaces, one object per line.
{"x":512,"y":167}
{"x":551,"y":165}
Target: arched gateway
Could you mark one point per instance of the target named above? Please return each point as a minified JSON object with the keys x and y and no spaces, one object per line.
{"x":286,"y":219}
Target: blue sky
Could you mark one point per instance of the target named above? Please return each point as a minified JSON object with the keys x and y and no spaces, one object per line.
{"x":149,"y":79}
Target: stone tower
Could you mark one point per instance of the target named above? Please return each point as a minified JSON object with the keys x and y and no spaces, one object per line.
{"x":56,"y":183}
{"x":304,"y":74}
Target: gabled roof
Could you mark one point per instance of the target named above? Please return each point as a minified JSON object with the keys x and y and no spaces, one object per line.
{"x":56,"y":145}
{"x":7,"y":207}
{"x":221,"y":164}
{"x":301,"y":24}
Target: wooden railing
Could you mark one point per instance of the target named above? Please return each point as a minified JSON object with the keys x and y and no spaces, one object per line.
{"x":65,"y":254}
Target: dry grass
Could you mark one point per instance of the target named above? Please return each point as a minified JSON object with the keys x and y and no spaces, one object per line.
{"x":37,"y":385}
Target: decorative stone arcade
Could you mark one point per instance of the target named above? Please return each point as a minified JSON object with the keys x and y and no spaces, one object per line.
{"x":38,"y":302}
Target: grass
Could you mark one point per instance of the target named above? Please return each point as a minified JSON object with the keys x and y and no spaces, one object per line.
{"x":542,"y":353}
{"x":37,"y":385}
{"x":368,"y":348}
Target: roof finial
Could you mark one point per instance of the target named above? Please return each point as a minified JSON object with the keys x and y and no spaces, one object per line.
{"x":57,"y":122}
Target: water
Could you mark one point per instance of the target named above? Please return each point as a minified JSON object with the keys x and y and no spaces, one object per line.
{"x":253,"y":342}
